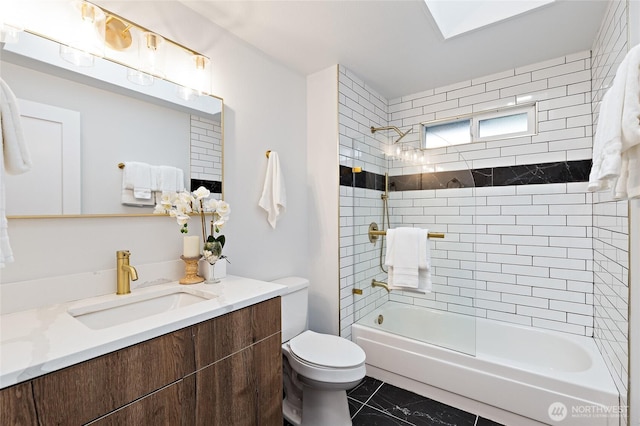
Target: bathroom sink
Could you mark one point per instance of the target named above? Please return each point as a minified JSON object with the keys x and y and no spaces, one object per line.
{"x":118,"y":310}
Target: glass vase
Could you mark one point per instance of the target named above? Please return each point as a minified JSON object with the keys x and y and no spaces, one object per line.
{"x":212,"y":252}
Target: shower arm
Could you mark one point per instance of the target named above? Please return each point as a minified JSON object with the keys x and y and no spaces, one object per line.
{"x":398,"y":131}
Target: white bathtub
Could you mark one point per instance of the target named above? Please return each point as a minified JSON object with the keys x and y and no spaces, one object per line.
{"x":516,"y":375}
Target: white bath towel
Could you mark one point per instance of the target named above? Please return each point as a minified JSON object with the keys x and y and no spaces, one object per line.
{"x":138,"y":177}
{"x":408,"y":260}
{"x":128,"y":199}
{"x":15,"y":159}
{"x":615,"y":156}
{"x":168,"y":179}
{"x":274,"y":196}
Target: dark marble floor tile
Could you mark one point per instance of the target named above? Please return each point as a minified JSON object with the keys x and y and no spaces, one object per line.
{"x":371,"y":417}
{"x":486,"y":422}
{"x":417,"y":409}
{"x":365,"y":389}
{"x":354,"y":406}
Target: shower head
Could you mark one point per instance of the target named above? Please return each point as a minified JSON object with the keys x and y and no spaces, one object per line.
{"x":402,"y":135}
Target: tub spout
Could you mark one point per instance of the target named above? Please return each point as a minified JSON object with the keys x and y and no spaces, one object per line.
{"x":375,"y":283}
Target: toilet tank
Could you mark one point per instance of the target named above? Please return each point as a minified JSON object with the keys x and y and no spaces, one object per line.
{"x":294,"y":306}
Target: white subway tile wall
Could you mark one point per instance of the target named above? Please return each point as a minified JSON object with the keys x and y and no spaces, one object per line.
{"x":504,"y":245}
{"x":525,"y":254}
{"x":206,"y":149}
{"x":610,"y":219}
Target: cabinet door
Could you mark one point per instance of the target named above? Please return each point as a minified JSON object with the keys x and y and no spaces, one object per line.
{"x":244,"y":389}
{"x":170,"y":406}
{"x":91,"y":389}
{"x":16,"y":405}
{"x":227,"y":334}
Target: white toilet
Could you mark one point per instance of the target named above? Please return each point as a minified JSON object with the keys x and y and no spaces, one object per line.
{"x":317,"y":368}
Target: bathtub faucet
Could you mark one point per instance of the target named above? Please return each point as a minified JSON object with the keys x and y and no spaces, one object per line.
{"x":375,"y":283}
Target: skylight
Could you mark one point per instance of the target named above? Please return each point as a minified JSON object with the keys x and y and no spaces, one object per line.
{"x":457,"y":17}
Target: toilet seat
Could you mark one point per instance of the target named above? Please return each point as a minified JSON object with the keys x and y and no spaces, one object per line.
{"x":326,"y":351}
{"x":331,"y":350}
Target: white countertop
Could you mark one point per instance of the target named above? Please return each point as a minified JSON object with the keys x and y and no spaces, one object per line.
{"x":38,"y":341}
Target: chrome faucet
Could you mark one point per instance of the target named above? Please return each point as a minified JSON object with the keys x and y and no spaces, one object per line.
{"x":125,"y":272}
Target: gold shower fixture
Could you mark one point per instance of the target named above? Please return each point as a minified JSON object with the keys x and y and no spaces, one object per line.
{"x":402,"y":135}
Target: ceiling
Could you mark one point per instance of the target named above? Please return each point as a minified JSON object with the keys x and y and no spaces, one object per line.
{"x":394,"y":45}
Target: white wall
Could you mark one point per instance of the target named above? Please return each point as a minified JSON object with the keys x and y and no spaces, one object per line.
{"x":264,"y":109}
{"x":322,"y":176}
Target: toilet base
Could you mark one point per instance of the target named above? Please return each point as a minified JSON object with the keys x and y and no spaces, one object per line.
{"x":322,"y":407}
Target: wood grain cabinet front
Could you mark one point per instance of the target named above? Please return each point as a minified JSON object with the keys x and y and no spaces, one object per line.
{"x":224,"y":371}
{"x":17,"y":406}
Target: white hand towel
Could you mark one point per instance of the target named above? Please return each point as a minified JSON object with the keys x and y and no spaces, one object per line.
{"x":274,"y":196}
{"x":169,"y":179}
{"x":128,"y":199}
{"x":14,"y":158}
{"x":138,"y":177}
{"x":408,"y":260}
{"x":618,"y":132}
{"x":403,"y":256}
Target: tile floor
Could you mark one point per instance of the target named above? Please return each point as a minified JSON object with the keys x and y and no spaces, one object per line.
{"x":375,"y":403}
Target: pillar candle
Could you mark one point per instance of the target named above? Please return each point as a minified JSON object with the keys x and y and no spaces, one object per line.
{"x":191,"y":246}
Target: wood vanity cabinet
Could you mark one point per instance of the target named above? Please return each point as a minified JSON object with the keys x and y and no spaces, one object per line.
{"x":224,"y":371}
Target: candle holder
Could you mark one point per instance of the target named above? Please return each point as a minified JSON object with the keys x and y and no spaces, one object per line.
{"x":191,"y":270}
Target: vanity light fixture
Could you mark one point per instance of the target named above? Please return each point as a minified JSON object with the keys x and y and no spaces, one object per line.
{"x":9,"y":32}
{"x":85,"y":31}
{"x":151,"y":54}
{"x":201,"y":79}
{"x":86,"y":36}
{"x":10,"y":24}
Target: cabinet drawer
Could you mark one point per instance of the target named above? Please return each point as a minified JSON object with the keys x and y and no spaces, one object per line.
{"x":244,"y":389}
{"x":170,"y":406}
{"x":227,"y":334}
{"x":17,"y":406}
{"x":86,"y":391}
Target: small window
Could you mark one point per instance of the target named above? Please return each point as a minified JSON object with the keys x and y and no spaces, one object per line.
{"x":449,"y":133}
{"x":494,"y":125}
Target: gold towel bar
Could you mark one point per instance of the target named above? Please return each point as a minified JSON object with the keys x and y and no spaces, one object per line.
{"x":374,"y":233}
{"x":121,"y":165}
{"x":429,"y":235}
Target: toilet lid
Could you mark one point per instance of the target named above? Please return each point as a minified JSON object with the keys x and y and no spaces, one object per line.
{"x":327,"y":350}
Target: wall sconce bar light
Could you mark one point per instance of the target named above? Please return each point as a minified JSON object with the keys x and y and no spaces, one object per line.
{"x":85,"y":31}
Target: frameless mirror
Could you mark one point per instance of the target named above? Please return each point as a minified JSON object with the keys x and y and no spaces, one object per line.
{"x":81,"y":124}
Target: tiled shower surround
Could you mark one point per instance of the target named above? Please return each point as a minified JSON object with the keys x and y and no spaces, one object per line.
{"x":610,"y":219}
{"x":521,"y":246}
{"x":206,"y":153}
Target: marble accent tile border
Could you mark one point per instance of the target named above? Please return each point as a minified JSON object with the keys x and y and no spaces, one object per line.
{"x":529,"y":174}
{"x":215,"y":186}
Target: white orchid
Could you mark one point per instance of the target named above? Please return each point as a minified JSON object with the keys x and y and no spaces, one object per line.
{"x":180,"y":205}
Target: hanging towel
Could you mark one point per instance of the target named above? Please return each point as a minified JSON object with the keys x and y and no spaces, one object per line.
{"x":615,"y":144}
{"x":274,"y":196}
{"x":15,"y":159}
{"x":168,"y":179}
{"x":138,"y":177}
{"x":408,"y":260}
{"x":128,"y":199}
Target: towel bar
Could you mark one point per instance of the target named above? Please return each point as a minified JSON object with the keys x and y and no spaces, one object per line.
{"x":121,"y":165}
{"x":374,"y":233}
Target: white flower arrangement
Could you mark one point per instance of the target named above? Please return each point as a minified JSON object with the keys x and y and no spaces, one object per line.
{"x":180,"y":205}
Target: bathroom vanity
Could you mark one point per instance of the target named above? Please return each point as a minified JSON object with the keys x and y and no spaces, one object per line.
{"x":224,"y":370}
